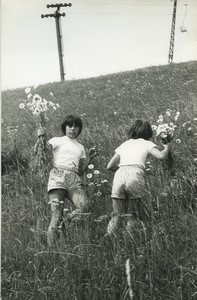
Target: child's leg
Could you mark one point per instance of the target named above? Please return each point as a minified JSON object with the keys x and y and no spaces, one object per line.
{"x":57,"y":198}
{"x":76,"y":194}
{"x":80,"y":200}
{"x":119,"y":208}
{"x":137,"y":213}
{"x":131,"y":221}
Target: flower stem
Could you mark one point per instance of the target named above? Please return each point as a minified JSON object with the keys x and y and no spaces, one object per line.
{"x":31,"y":116}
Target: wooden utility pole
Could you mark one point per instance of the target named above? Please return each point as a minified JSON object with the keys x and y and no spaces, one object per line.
{"x":171,"y":49}
{"x":57,"y":16}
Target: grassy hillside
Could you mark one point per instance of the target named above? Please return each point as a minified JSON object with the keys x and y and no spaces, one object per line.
{"x":162,"y":251}
{"x":105,"y":101}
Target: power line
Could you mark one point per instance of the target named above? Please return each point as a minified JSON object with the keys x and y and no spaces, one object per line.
{"x":128,"y":14}
{"x":114,"y":14}
{"x":128,"y":4}
{"x":103,"y":4}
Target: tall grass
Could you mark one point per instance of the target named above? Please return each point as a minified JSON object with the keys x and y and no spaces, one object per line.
{"x":162,"y":251}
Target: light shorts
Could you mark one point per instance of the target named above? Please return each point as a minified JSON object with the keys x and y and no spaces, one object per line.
{"x":68,"y":180}
{"x":129,"y":182}
{"x":64,"y":179}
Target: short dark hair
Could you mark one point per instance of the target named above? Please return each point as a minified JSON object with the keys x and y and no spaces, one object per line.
{"x":70,"y":120}
{"x":140,"y":129}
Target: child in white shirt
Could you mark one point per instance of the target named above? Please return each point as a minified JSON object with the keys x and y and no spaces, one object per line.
{"x":69,"y":163}
{"x":128,"y":163}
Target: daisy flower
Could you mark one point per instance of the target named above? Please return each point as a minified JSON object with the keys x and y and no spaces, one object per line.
{"x":91,"y":166}
{"x":36,"y":98}
{"x":29,"y":96}
{"x":36,"y":112}
{"x":99,"y":193}
{"x":96,"y":172}
{"x":154,"y":127}
{"x":21,"y":105}
{"x":160,"y":120}
{"x":168,"y":113}
{"x":89,"y":175}
{"x":27,"y":90}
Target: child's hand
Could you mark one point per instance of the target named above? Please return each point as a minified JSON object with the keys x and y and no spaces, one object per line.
{"x":93,"y":152}
{"x":40,"y":131}
{"x":165,"y":138}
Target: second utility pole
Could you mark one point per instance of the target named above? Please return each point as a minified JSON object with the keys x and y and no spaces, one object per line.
{"x":57,"y":16}
{"x":171,"y":49}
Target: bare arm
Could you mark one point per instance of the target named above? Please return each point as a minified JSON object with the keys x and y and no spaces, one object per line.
{"x":112,"y":165}
{"x":160,"y":154}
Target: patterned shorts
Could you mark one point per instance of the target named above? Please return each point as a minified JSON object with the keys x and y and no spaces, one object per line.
{"x":129,"y":182}
{"x":68,"y":180}
{"x":63,"y":179}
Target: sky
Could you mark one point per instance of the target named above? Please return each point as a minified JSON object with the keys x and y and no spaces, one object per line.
{"x":98,"y":38}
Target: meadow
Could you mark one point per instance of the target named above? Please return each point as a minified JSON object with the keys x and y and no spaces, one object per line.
{"x":161,"y":253}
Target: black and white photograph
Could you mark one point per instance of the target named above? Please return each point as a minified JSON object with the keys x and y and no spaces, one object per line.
{"x":99,"y":150}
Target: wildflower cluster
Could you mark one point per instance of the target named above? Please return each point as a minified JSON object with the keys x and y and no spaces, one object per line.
{"x":93,"y":177}
{"x":94,"y":180}
{"x":38,"y":106}
{"x":190,"y":127}
{"x":166,"y":125}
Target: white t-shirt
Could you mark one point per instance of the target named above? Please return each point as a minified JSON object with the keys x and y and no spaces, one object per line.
{"x":134,"y":151}
{"x":66,"y":152}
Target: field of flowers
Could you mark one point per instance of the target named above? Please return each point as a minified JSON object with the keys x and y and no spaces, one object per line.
{"x":158,"y":260}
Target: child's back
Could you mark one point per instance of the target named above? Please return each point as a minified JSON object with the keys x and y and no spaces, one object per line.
{"x":134,"y":151}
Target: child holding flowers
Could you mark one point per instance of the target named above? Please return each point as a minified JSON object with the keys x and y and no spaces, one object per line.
{"x":69,"y":163}
{"x":128,"y":163}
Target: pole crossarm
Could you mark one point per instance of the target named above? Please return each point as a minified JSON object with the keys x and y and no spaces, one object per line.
{"x":55,"y":15}
{"x":59,"y":5}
